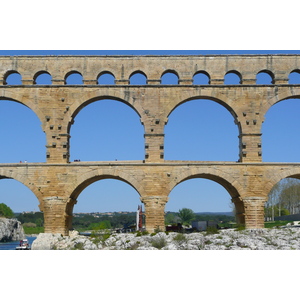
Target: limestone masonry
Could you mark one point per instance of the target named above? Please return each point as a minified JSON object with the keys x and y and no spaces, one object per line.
{"x":58,"y":182}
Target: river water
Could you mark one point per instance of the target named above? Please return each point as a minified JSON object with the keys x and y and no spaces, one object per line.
{"x":12,"y":245}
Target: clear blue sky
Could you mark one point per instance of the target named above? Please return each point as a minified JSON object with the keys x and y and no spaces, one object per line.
{"x":188,"y":136}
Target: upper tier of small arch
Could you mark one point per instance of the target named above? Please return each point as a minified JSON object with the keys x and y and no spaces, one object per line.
{"x":122,"y":68}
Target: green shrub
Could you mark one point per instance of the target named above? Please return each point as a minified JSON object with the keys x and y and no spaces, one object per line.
{"x":5,"y":211}
{"x":180,"y":238}
{"x":159,"y":242}
{"x":79,"y":246}
{"x":212,"y":230}
{"x":100,"y":236}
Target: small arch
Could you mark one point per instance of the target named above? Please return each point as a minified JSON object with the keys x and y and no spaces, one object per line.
{"x":265,"y":77}
{"x":294,"y":77}
{"x":233,"y":77}
{"x":138,"y":78}
{"x":201,"y":78}
{"x":73,"y":77}
{"x":106,"y":78}
{"x":169,"y":77}
{"x":12,"y":78}
{"x":42,"y":77}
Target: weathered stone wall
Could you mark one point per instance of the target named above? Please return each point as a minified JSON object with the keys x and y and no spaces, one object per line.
{"x":58,"y":182}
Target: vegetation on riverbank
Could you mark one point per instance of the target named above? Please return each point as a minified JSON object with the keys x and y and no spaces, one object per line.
{"x":33,"y":222}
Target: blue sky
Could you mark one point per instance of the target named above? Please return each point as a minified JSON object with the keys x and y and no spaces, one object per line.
{"x":194,"y":132}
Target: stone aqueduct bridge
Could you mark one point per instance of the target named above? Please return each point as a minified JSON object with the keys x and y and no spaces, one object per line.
{"x":58,"y":182}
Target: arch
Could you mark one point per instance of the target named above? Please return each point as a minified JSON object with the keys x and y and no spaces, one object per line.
{"x":19,"y":187}
{"x":42,"y":77}
{"x":233,"y":77}
{"x":12,"y":78}
{"x":106,"y":78}
{"x":233,"y":188}
{"x":102,"y":183}
{"x":265,"y":77}
{"x":118,"y":132}
{"x":92,"y":177}
{"x":10,"y":96}
{"x":275,"y":175}
{"x":73,"y":78}
{"x":294,"y":77}
{"x":283,"y":118}
{"x":201,"y":77}
{"x":188,"y":115}
{"x":138,"y":78}
{"x":98,"y":98}
{"x":285,"y":194}
{"x":205,"y":97}
{"x":21,"y":130}
{"x":169,"y":77}
{"x":225,"y":185}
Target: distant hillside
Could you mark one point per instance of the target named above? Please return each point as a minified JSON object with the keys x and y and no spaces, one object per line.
{"x":230,"y":213}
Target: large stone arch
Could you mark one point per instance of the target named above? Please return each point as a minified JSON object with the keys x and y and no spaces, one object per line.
{"x":222,"y":103}
{"x":22,"y":178}
{"x":28,"y":103}
{"x":98,"y":174}
{"x":273,"y":177}
{"x":280,"y":95}
{"x":203,"y":97}
{"x":233,"y":187}
{"x":76,"y":108}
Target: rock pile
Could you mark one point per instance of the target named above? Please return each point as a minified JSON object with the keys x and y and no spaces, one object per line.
{"x":255,"y":239}
{"x":11,"y":230}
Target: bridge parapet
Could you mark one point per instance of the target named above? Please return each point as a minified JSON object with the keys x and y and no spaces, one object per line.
{"x":122,"y":67}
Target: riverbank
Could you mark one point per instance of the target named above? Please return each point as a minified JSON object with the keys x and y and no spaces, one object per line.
{"x":256,"y":239}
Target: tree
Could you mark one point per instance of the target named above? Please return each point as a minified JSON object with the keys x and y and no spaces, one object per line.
{"x":284,"y":198}
{"x":186,"y":216}
{"x":5,"y":211}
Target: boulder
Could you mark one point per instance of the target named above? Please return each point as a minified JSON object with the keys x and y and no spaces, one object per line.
{"x":46,"y":241}
{"x":11,"y":230}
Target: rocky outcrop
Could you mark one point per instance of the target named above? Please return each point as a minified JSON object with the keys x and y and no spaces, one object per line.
{"x":255,"y":239}
{"x":11,"y":230}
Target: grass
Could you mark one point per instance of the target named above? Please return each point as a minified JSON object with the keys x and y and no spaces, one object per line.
{"x":33,"y":230}
{"x":276,"y":223}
